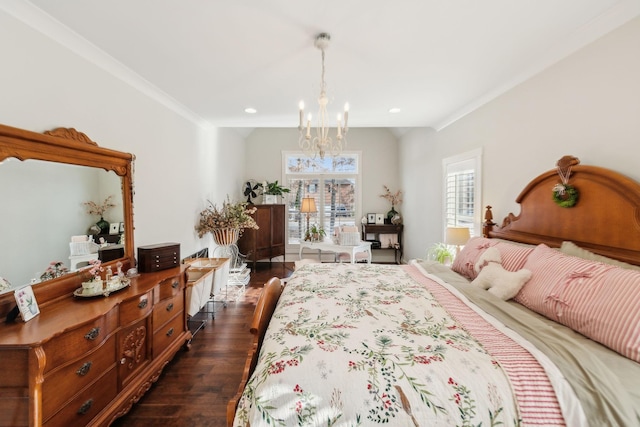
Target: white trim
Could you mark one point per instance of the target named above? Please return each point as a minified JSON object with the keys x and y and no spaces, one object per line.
{"x":611,"y":19}
{"x":476,"y":157}
{"x":44,"y":23}
{"x":290,"y":247}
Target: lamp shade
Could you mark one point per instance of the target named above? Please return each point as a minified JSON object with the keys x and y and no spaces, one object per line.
{"x":457,"y":236}
{"x":308,"y":205}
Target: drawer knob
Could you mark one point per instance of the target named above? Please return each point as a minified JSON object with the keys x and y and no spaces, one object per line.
{"x":93,"y":334}
{"x":170,"y":332}
{"x":85,"y":407}
{"x":170,"y":307}
{"x":123,"y":360}
{"x":175,"y":284}
{"x":143,"y":303}
{"x":84,"y":369}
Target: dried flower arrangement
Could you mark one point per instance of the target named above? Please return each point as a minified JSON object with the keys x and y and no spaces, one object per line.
{"x":393,"y":198}
{"x":231,"y":215}
{"x":95,"y":209}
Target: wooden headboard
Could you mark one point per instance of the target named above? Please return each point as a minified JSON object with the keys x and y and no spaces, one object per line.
{"x":604,"y":220}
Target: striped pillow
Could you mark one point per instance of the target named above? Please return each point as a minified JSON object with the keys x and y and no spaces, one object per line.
{"x":595,"y":299}
{"x":513,"y":255}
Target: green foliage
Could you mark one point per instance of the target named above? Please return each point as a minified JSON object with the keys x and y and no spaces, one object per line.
{"x":274,"y":189}
{"x":440,"y":252}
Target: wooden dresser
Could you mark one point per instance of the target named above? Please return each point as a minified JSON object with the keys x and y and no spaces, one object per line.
{"x":269,"y":240}
{"x":86,"y":361}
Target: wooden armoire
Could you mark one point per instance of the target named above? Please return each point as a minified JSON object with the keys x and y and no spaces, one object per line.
{"x":269,"y":240}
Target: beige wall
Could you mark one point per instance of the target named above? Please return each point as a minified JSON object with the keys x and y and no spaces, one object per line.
{"x":587,"y":105}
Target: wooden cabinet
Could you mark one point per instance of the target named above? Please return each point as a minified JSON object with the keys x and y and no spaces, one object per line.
{"x":84,"y":361}
{"x":269,"y":240}
{"x":372,"y":232}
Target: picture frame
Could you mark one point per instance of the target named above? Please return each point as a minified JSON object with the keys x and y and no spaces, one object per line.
{"x":27,"y":304}
{"x":114,"y":228}
{"x":122,"y":227}
{"x":379,"y":218}
{"x":371,"y":218}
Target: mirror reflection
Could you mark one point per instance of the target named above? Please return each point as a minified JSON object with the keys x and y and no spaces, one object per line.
{"x":45,"y":221}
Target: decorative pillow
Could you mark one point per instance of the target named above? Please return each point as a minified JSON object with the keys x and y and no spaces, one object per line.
{"x":500,"y":282}
{"x":570,"y":248}
{"x":598,"y":300}
{"x":513,"y":255}
{"x":469,"y":255}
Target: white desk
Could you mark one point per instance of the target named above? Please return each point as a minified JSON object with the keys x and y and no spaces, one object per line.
{"x":332,"y":247}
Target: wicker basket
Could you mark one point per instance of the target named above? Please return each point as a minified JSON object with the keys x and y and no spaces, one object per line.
{"x":225,"y":236}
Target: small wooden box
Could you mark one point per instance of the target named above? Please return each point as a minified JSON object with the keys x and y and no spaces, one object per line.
{"x":158,"y":257}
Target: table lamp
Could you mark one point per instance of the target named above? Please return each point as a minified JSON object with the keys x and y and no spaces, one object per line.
{"x":308,"y":205}
{"x":457,"y":236}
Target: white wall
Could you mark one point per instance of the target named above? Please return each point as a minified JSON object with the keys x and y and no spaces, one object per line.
{"x":179,"y":164}
{"x":587,"y":105}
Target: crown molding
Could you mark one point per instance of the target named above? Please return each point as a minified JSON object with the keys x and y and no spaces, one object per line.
{"x":44,"y":23}
{"x":611,"y":19}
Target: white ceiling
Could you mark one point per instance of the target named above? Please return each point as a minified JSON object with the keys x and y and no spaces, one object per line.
{"x":434,"y":59}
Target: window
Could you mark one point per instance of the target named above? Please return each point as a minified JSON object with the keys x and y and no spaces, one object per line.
{"x":334,"y":185}
{"x":462,"y":184}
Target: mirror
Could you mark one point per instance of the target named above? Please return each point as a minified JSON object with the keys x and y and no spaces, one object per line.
{"x":45,"y":180}
{"x":47,"y":207}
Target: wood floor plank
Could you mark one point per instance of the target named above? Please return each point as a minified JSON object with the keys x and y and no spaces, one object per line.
{"x":195,"y":387}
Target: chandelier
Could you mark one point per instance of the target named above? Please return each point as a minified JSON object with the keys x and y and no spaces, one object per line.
{"x":321,"y":143}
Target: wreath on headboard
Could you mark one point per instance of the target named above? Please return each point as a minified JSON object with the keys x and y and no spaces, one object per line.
{"x":564,"y":194}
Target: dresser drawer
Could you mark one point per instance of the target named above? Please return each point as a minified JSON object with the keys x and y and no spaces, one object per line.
{"x":135,"y":308}
{"x":169,"y":287}
{"x":62,"y":384}
{"x":166,"y":309}
{"x":88,"y":403}
{"x":167,"y":334}
{"x":73,"y":344}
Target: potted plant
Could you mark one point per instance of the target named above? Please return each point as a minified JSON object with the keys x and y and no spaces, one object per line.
{"x":315,"y":233}
{"x":226,"y":223}
{"x":440,"y":252}
{"x":271,"y":191}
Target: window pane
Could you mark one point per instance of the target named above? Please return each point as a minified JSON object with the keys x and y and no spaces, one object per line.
{"x":460,"y":199}
{"x":299,"y":164}
{"x":338,"y":203}
{"x":332,"y":184}
{"x":297,"y":222}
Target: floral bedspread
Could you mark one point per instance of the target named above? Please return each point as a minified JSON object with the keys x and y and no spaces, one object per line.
{"x":355,"y":345}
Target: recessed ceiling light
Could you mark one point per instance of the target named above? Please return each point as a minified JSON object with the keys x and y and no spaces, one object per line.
{"x":394,"y":110}
{"x":250,"y":110}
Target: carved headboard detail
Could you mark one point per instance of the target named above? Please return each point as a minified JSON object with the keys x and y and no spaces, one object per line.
{"x":605,"y":219}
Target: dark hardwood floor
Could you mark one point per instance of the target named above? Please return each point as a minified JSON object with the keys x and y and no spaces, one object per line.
{"x":195,"y":387}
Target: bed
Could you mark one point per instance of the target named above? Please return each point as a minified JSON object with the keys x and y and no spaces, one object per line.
{"x":427,"y":345}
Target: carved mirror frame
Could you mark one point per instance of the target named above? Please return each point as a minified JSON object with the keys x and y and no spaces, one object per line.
{"x":68,"y":146}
